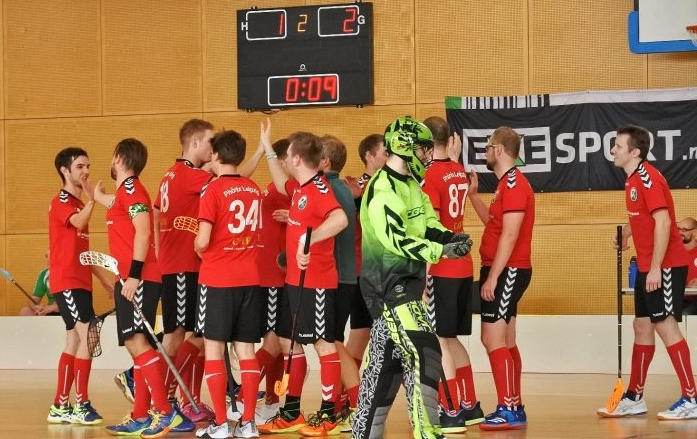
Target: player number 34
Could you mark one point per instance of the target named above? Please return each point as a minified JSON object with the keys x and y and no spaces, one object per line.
{"x":243,"y":218}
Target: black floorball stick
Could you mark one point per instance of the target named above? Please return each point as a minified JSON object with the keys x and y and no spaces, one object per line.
{"x":94,"y":330}
{"x":231,"y":383}
{"x":111,"y":264}
{"x":280,"y":387}
{"x":618,"y":390}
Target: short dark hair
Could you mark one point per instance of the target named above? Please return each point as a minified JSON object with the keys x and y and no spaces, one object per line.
{"x":307,"y":146}
{"x":639,"y":138}
{"x":133,"y":154}
{"x":66,"y":157}
{"x":280,"y":147}
{"x":334,"y":150}
{"x":439,"y":128}
{"x":509,"y":138}
{"x":192,"y":127}
{"x":368,"y":144}
{"x":230,"y":147}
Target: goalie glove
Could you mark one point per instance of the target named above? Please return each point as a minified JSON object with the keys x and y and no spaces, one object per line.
{"x":455,"y":250}
{"x":458,"y":237}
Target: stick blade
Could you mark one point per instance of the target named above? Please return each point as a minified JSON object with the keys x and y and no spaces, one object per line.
{"x":280,"y":387}
{"x":6,"y":273}
{"x":615,"y":397}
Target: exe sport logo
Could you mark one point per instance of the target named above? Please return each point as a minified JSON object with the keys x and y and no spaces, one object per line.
{"x":540,"y":148}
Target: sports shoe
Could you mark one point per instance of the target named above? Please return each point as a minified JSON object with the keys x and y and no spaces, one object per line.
{"x":60,"y":414}
{"x":682,"y":409}
{"x":473,"y":415}
{"x":265,"y":412}
{"x":85,"y":414}
{"x":245,"y":429}
{"x":124,"y":381}
{"x":234,"y":409}
{"x":452,"y":421}
{"x":282,"y":422}
{"x":320,"y":424}
{"x":215,"y":431}
{"x":505,"y":418}
{"x":161,"y":423}
{"x":205,"y":413}
{"x":129,"y":427}
{"x":626,"y":407}
{"x":346,"y":421}
{"x":186,"y":425}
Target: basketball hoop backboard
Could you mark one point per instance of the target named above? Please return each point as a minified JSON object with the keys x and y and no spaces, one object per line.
{"x":658,"y":26}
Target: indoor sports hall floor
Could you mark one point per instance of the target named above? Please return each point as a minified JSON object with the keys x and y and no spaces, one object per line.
{"x":559,"y":406}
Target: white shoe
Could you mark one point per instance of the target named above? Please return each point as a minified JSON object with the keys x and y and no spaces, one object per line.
{"x":245,"y":430}
{"x":215,"y":431}
{"x":235,"y":414}
{"x":626,"y":407}
{"x":265,"y":412}
{"x":682,"y":409}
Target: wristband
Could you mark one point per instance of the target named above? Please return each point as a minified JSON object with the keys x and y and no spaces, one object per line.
{"x":136,"y":270}
{"x":271,"y":155}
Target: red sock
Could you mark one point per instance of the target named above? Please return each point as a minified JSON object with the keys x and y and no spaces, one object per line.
{"x":330,"y":374}
{"x":340,"y":403}
{"x":265,"y":361}
{"x":249,"y":371}
{"x":82,"y":379}
{"x":184,"y":362}
{"x":451,"y":392}
{"x":152,"y":369}
{"x":352,"y":394}
{"x":641,"y":359}
{"x":502,"y":369}
{"x":141,"y":403}
{"x":66,"y":371}
{"x":216,"y":379}
{"x":465,"y":383}
{"x":517,"y":371}
{"x":298,"y":368}
{"x":680,"y":357}
{"x":197,"y":377}
{"x":273,"y":374}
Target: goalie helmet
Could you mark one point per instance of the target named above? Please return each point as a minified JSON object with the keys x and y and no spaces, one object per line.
{"x":403,"y":137}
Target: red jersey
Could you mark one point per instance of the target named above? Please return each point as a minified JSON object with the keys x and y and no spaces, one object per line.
{"x":646,"y":191}
{"x":273,"y":238}
{"x":362,"y":181}
{"x":513,"y":194}
{"x":692,"y":268}
{"x":130,"y":199}
{"x":446,"y":185}
{"x":232,"y":204}
{"x":311,"y":204}
{"x":179,"y":194}
{"x":65,"y":272}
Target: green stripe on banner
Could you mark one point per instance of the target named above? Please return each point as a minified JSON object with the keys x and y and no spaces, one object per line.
{"x":453,"y":102}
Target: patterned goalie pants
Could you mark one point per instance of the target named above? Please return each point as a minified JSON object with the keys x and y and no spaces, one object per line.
{"x":403,"y":349}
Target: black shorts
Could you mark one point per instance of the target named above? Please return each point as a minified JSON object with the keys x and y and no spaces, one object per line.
{"x":128,"y":320}
{"x":74,"y":306}
{"x":664,"y":302}
{"x":271,"y":298}
{"x":450,"y":305}
{"x":360,"y":317}
{"x":179,"y":294}
{"x":510,"y":287}
{"x":342,"y":307}
{"x":315,"y":314}
{"x":229,"y":314}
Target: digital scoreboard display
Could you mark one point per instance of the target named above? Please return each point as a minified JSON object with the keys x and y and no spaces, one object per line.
{"x":308,"y":55}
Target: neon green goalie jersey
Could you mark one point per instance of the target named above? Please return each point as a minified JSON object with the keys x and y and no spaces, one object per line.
{"x":401,"y":233}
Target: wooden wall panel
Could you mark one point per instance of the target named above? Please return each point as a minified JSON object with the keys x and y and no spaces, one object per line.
{"x":3,"y":180}
{"x":393,"y":53}
{"x":582,"y":46}
{"x":152,"y":56}
{"x":470,"y":48}
{"x":51,"y":58}
{"x":672,"y":70}
{"x":2,"y":65}
{"x":98,"y":136}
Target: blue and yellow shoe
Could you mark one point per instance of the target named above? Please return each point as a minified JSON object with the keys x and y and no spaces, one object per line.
{"x":129,"y":427}
{"x":124,"y":381}
{"x":186,"y":425}
{"x":85,"y":414}
{"x":60,"y":414}
{"x":161,"y":424}
{"x":505,"y":418}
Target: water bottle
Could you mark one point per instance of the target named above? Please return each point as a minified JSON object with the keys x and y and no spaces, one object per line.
{"x":632,"y":271}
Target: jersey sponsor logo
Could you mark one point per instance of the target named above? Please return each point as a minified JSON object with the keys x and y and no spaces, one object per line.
{"x":633,"y":195}
{"x":302,"y":202}
{"x":413,"y":213}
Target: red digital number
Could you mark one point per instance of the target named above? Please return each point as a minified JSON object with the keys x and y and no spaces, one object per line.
{"x":281,"y":23}
{"x":292,"y":89}
{"x":329,"y":85}
{"x":350,"y":21}
{"x":314,"y":89}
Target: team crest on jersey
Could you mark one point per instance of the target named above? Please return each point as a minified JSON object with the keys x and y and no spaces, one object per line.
{"x":633,"y":194}
{"x":302,"y":202}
